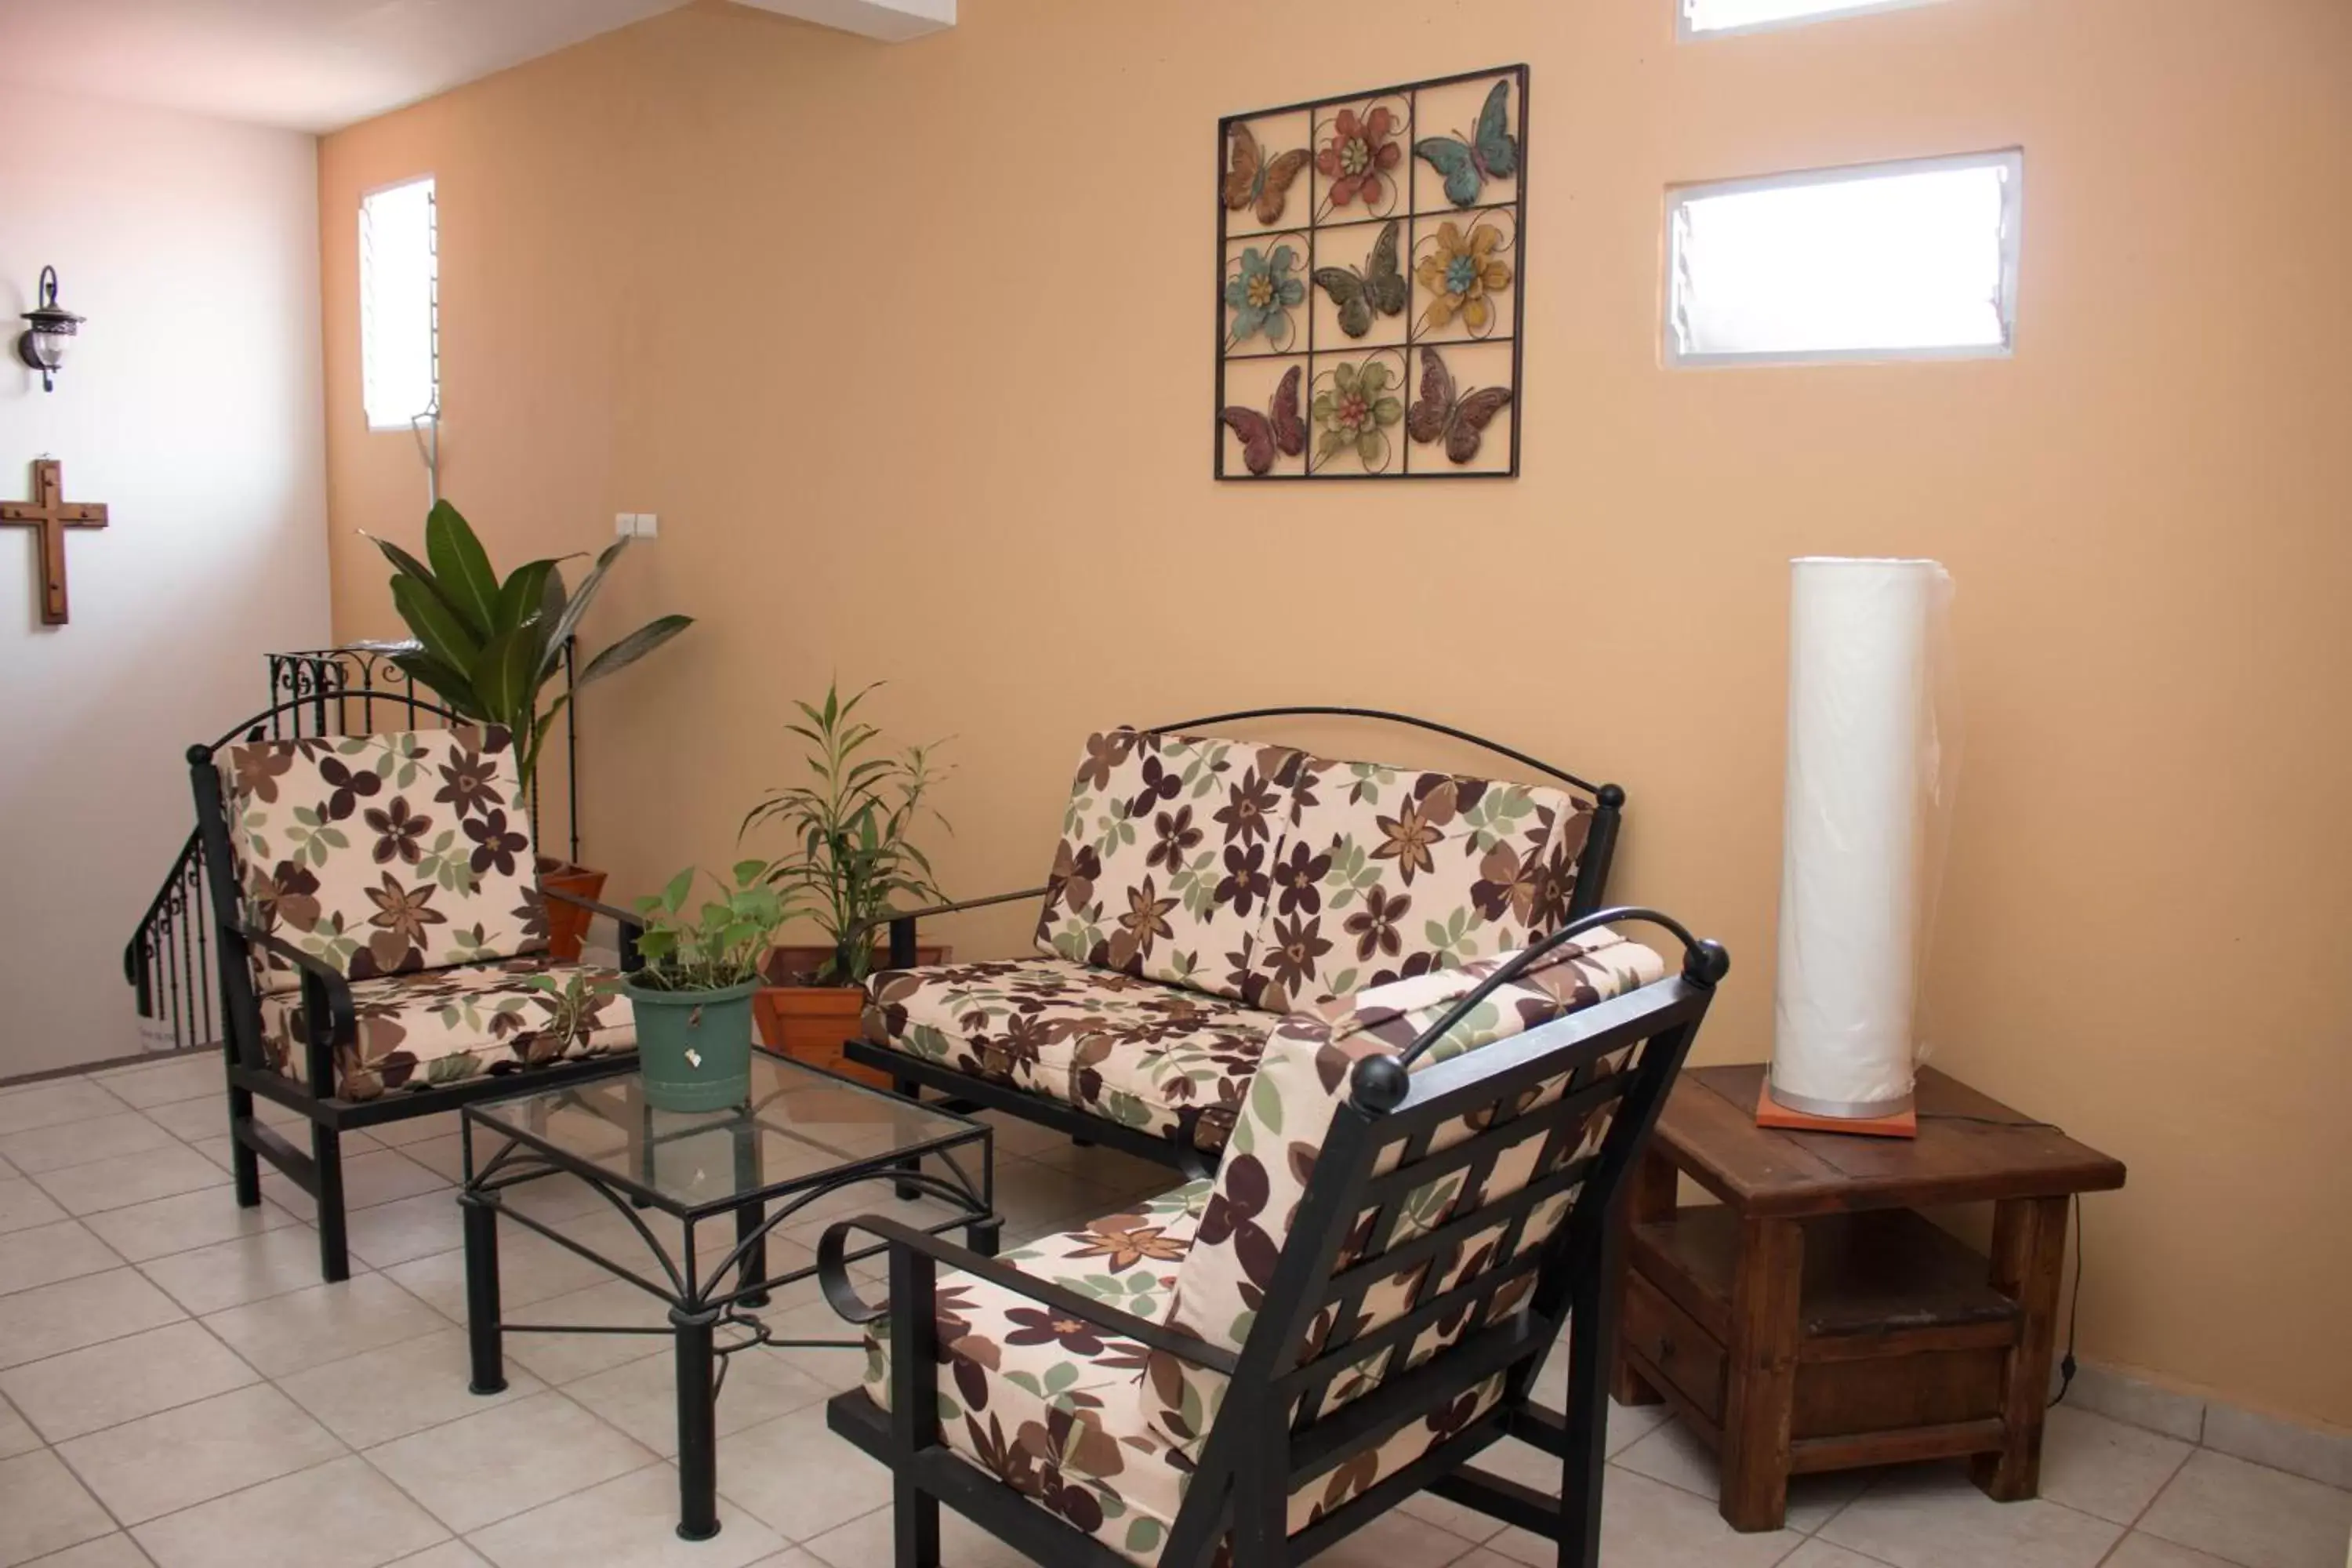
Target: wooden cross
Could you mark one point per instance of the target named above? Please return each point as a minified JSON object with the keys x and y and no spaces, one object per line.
{"x":49,"y":512}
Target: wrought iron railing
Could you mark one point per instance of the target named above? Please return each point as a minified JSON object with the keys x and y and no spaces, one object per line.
{"x":353,"y":691}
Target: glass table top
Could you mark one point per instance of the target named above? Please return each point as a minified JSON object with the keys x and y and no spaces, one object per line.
{"x":800,"y":1129}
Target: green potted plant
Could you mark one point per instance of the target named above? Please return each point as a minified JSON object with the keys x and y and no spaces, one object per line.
{"x":850,"y":860}
{"x":489,"y":647}
{"x":692,"y":998}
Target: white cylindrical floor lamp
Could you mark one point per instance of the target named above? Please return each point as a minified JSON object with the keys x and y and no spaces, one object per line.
{"x":1865,"y":781}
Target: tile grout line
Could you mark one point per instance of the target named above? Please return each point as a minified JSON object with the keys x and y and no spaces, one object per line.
{"x":259,"y":1377}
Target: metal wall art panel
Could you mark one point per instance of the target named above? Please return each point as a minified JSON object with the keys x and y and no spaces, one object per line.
{"x":1371,"y":257}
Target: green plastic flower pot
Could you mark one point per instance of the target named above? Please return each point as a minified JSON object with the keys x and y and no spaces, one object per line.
{"x":694,"y":1048}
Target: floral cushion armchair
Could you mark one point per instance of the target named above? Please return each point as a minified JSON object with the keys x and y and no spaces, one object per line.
{"x":1416,"y":1194}
{"x":383,"y":940}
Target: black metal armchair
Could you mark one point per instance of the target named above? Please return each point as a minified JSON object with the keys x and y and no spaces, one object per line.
{"x":380,"y":932}
{"x":1361,"y":1300}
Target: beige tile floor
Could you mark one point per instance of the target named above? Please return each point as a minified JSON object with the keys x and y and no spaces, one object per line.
{"x":177,"y":1389}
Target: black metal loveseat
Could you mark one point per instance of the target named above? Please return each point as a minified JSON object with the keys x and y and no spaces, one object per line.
{"x":382,"y":934}
{"x":1422,"y":1185}
{"x":1202,"y":888}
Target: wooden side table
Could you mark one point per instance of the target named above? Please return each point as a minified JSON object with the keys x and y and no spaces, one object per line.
{"x":1814,"y":1321}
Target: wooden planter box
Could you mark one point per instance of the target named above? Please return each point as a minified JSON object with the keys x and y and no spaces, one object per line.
{"x":810,"y":1023}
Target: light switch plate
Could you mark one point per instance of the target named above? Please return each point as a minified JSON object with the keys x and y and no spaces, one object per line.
{"x":649,"y":525}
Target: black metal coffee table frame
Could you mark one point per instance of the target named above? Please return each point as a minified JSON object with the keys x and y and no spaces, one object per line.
{"x":702,"y":1302}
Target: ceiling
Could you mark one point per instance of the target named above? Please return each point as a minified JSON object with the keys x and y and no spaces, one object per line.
{"x":311,"y":65}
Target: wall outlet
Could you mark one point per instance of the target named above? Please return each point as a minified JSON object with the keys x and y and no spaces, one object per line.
{"x":624,"y":524}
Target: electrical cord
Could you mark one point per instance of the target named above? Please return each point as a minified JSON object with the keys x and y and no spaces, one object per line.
{"x":2067,"y":1364}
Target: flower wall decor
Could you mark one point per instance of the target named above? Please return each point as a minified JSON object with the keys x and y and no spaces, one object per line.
{"x":1260,"y":294}
{"x":1370,"y":256}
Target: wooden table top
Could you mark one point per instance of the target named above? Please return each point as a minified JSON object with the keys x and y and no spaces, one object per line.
{"x":1708,"y":1128}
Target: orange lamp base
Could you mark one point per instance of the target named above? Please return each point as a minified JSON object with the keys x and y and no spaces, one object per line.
{"x":1770,"y":1113}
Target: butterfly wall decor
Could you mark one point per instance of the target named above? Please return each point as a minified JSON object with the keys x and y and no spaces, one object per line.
{"x":1254,"y":182}
{"x":1414,"y":281}
{"x":1456,"y":419}
{"x":1381,"y":286}
{"x":1279,"y":429}
{"x":1492,"y":152}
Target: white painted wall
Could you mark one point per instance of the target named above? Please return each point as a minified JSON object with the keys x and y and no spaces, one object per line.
{"x":191,"y":407}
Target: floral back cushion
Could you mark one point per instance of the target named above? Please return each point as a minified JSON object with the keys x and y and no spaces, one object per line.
{"x":1168,"y":857}
{"x":384,"y":853}
{"x":1387,"y":873}
{"x":1302,"y":1080}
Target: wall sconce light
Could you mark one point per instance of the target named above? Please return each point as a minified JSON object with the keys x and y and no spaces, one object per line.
{"x":43,"y":343}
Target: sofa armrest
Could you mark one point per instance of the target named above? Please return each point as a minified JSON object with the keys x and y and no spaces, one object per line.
{"x":841,"y":1292}
{"x":902,"y":922}
{"x":632,"y":926}
{"x":327,"y":1005}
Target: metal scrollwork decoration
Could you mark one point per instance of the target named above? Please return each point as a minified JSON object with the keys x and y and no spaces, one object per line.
{"x":1372,"y":268}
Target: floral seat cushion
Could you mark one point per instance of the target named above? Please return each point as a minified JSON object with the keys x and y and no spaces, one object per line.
{"x":1048,"y":1404}
{"x":1146,"y":1055}
{"x":384,"y":854}
{"x":430,"y":1027}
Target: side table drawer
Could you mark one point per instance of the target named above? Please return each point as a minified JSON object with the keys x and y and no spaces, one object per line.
{"x":1670,"y":1341}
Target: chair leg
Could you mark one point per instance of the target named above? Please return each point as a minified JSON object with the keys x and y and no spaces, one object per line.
{"x":915,"y":1526}
{"x":244,"y":1165}
{"x":334,"y":1247}
{"x":906,"y":1192}
{"x":1591,"y":1343}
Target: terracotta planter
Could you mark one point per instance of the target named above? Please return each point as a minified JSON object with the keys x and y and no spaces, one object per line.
{"x":809,"y":1023}
{"x":567,"y":924}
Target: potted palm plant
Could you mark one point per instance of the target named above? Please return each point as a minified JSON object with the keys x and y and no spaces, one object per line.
{"x":692,"y":998}
{"x":850,"y":861}
{"x":490,"y":646}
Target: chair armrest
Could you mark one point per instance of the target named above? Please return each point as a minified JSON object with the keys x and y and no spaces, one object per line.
{"x":632,"y":926}
{"x":895,"y":916}
{"x":902,"y":922}
{"x":327,"y":1005}
{"x":841,"y":1293}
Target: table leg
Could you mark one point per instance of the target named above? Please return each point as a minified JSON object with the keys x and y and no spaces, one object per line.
{"x":2029,"y":1256}
{"x":698,"y":1415}
{"x":484,"y":1337}
{"x":751,"y":1217}
{"x":1649,"y":1197}
{"x":1762,"y":1373}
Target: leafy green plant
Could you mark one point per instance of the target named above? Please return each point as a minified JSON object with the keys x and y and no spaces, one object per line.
{"x":850,"y":859}
{"x":714,"y":946}
{"x":491,"y":646}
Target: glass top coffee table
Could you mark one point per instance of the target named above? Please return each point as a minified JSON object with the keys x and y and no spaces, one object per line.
{"x":802,"y":1136}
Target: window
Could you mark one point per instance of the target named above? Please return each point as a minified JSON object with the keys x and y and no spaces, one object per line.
{"x":400,"y":309}
{"x":1893,"y":261}
{"x":1701,"y":19}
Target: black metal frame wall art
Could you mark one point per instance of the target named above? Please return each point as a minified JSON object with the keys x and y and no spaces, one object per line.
{"x":1371,"y":264}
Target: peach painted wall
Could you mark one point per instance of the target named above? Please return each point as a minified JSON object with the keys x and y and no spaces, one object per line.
{"x":907,"y":348}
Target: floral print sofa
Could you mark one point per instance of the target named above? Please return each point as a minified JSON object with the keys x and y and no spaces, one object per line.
{"x":1107,"y":1435}
{"x":404,"y":862}
{"x":1203,"y":887}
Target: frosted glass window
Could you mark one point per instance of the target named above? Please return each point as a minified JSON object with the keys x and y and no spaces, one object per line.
{"x":1894,"y":261}
{"x":1701,"y":17}
{"x":400,"y":355}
